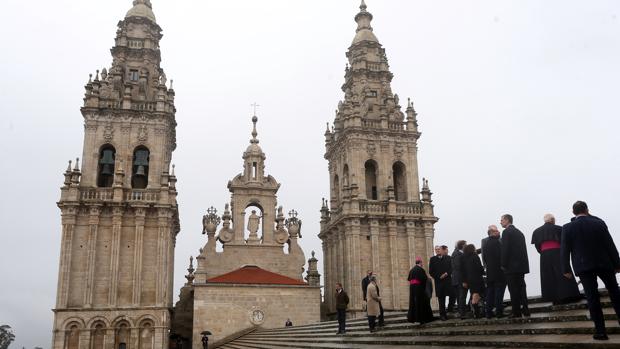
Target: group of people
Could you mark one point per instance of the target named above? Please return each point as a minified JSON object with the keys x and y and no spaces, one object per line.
{"x":477,"y":286}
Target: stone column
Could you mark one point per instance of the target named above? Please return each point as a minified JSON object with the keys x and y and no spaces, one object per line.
{"x":68,"y":224}
{"x":326,"y":273}
{"x":93,"y":222}
{"x":411,"y":242}
{"x":117,"y":221}
{"x":374,"y":243}
{"x":140,"y":213}
{"x":356,"y":276}
{"x":392,"y":233}
{"x":163,"y":227}
{"x":341,"y":259}
{"x":85,"y":339}
{"x":110,"y":337}
{"x":348,"y":260}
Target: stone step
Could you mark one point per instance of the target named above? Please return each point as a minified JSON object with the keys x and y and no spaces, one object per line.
{"x":508,"y":341}
{"x":401,"y":322}
{"x":343,"y":346}
{"x":542,"y":307}
{"x":576,"y":327}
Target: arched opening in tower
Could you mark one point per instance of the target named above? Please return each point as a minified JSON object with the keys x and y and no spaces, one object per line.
{"x":105,"y":168}
{"x":399,"y":174}
{"x":371,"y":180}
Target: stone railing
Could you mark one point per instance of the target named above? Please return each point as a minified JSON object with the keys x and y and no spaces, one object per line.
{"x":100,"y":194}
{"x":371,"y":123}
{"x":408,"y":208}
{"x":142,"y":196}
{"x":149,"y":106}
{"x":107,"y":194}
{"x":395,"y":125}
{"x":372,"y":207}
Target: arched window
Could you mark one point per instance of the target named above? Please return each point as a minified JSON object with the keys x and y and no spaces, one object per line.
{"x":345,"y":176}
{"x":105,"y":170}
{"x":98,"y":336}
{"x":146,"y":336}
{"x":122,"y":336}
{"x":336,"y":193}
{"x":140,"y":168}
{"x":371,"y":180}
{"x":399,"y":173}
{"x":73,"y":337}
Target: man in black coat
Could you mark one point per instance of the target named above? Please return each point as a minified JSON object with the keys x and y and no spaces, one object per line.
{"x":586,"y":240}
{"x":496,"y":281}
{"x":515,"y":265}
{"x":457,"y":282}
{"x":342,"y":303}
{"x":440,"y":269}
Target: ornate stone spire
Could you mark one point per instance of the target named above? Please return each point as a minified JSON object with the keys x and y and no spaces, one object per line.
{"x":254,"y":157}
{"x":142,"y":8}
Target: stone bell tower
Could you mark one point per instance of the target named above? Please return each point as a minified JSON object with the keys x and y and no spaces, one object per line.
{"x":375,"y":218}
{"x":119,"y":209}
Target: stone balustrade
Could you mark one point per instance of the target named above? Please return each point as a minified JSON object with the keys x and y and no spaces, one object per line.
{"x":107,"y":194}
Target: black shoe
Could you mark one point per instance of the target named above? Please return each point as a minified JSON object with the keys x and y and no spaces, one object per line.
{"x":515,"y":316}
{"x":526,"y":312}
{"x":500,"y":316}
{"x":337,"y":333}
{"x":373,"y":330}
{"x":600,"y":337}
{"x":443,"y":318}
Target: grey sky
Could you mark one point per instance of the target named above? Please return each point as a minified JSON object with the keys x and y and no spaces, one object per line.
{"x":517,"y":102}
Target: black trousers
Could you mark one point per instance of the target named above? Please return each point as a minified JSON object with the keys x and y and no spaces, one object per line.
{"x":381,"y":318}
{"x":516,"y":287}
{"x":590,"y":287}
{"x":461,"y":298}
{"x":495,"y":298}
{"x":372,"y":322}
{"x":342,"y":319}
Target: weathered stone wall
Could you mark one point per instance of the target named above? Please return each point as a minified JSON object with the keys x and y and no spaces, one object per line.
{"x":226,"y":309}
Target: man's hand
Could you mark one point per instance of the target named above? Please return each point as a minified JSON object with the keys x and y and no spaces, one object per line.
{"x":568,"y":275}
{"x":443,"y":276}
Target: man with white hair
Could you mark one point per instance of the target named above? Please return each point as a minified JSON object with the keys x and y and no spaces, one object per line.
{"x":555,"y":287}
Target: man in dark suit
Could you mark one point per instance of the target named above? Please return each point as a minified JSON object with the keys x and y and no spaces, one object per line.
{"x":496,"y":280}
{"x":515,"y":265}
{"x":342,"y":303}
{"x":457,"y":282}
{"x":587,"y":242}
{"x":440,"y":269}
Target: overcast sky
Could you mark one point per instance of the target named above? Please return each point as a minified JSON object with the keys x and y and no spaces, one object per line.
{"x":517,"y":102}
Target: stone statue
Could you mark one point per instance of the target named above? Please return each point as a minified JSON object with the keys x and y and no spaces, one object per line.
{"x":253,"y":223}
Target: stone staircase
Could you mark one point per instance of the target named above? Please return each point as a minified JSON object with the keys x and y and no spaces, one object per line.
{"x":562,"y":326}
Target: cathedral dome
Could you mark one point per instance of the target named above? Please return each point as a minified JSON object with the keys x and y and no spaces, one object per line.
{"x":140,"y":9}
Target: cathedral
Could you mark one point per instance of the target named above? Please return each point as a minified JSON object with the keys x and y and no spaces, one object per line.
{"x":120,"y":216}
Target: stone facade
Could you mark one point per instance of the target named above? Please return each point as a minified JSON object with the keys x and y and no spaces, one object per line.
{"x":375,"y":218}
{"x":235,"y":306}
{"x":119,"y":210}
{"x":224,"y":307}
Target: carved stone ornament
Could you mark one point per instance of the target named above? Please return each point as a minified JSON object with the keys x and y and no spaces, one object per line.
{"x":398,"y":150}
{"x":281,"y":234}
{"x":143,"y":134}
{"x":371,"y":149}
{"x":226,"y":234}
{"x":257,"y":316}
{"x":210,"y":221}
{"x":108,"y":132}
